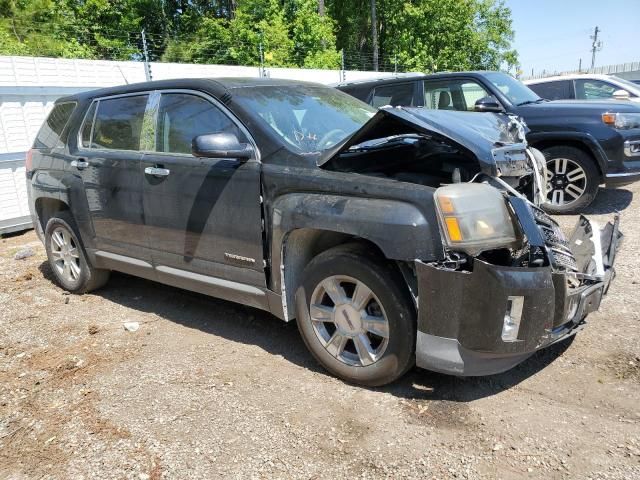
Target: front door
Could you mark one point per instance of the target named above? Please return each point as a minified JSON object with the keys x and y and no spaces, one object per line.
{"x":203,"y":215}
{"x":108,"y":161}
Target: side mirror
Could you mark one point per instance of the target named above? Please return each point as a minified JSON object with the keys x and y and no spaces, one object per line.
{"x":220,"y":145}
{"x":488,"y":104}
{"x":621,"y":95}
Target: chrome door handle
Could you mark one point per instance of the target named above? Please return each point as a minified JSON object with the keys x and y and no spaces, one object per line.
{"x":157,"y":172}
{"x":80,"y":164}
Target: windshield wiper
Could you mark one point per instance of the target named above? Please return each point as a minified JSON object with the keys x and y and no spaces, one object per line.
{"x":529,"y":102}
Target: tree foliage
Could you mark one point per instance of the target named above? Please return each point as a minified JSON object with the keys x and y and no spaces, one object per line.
{"x":420,"y":35}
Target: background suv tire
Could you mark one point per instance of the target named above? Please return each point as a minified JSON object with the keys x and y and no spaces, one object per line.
{"x":67,"y":257}
{"x":356,"y":317}
{"x":572,"y":180}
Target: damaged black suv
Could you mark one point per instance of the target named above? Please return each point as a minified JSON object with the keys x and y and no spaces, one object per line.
{"x":391,"y":236}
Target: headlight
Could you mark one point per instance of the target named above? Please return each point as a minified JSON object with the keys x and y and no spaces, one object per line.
{"x":622,"y":121}
{"x":474,"y":217}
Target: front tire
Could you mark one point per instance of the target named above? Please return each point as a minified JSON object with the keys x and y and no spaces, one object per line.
{"x":356,"y":317}
{"x":572,"y":180}
{"x":68,"y":259}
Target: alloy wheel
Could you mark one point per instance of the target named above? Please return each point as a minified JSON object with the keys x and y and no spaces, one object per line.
{"x":349,"y":320}
{"x":566,"y":181}
{"x":65,"y":255}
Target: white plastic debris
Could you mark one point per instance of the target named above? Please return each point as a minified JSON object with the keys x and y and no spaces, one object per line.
{"x":24,"y":253}
{"x":131,"y":326}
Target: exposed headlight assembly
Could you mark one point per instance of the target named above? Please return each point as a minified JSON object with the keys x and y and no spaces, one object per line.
{"x":622,"y":121}
{"x":474,"y":218}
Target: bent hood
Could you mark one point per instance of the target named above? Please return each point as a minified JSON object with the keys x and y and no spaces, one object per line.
{"x":479,"y":133}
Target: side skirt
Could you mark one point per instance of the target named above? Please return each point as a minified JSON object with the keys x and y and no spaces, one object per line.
{"x":249,"y":295}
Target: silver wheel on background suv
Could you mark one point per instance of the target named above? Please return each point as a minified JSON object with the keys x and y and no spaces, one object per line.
{"x":566,"y":181}
{"x":349,"y":320}
{"x":65,"y":254}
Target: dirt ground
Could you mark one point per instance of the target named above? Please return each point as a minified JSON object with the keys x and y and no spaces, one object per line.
{"x":210,"y":389}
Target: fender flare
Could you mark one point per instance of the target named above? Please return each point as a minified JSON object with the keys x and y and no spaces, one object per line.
{"x":586,"y":139}
{"x":399,"y":229}
{"x":69,"y":189}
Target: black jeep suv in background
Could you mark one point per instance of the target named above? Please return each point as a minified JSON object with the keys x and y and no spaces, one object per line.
{"x":585,"y":143}
{"x":392,"y":236}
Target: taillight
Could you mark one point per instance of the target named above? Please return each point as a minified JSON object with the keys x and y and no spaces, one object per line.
{"x":28,"y":160}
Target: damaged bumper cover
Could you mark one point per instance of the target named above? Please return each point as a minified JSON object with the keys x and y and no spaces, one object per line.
{"x":461,"y":332}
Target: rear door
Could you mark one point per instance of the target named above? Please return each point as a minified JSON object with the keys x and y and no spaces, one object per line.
{"x":108,"y":160}
{"x":203,"y":215}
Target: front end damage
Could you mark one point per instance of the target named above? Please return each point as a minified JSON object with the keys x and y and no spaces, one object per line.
{"x":508,"y":283}
{"x":483,"y":314}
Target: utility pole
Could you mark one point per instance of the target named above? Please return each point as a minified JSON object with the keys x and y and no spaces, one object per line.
{"x":580,"y":66}
{"x":262,"y":72}
{"x":374,"y":34}
{"x":343,"y":75}
{"x":145,"y":51}
{"x":596,"y":46}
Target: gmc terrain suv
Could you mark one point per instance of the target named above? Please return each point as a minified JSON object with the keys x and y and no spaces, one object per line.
{"x":393,"y":237}
{"x":586,"y":143}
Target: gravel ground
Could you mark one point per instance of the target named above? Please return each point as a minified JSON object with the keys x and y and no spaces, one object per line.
{"x":208,"y":389}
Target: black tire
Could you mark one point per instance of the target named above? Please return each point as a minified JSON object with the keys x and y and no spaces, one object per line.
{"x":87,"y":277}
{"x":576,"y":157}
{"x":387,"y":285}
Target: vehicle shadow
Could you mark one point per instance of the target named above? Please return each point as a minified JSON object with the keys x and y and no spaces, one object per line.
{"x":247,"y":325}
{"x":424,"y":385}
{"x":609,"y":200}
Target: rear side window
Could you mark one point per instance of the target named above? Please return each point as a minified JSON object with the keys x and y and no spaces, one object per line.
{"x":117,"y":124}
{"x":454,"y":94}
{"x":397,"y":94}
{"x":594,"y":89}
{"x":182,"y":117}
{"x":560,"y":90}
{"x":49,"y":134}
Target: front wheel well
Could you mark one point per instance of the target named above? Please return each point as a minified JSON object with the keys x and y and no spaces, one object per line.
{"x":300,"y":247}
{"x":46,"y":208}
{"x":544,"y":144}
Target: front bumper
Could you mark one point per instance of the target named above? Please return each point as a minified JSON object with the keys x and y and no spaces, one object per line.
{"x":461,"y":313}
{"x":629,"y":170}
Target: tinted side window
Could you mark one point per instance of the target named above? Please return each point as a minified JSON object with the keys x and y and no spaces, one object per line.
{"x":452,"y":94}
{"x":182,"y":117}
{"x":560,"y":90}
{"x":49,"y":134}
{"x":397,"y":94}
{"x":594,"y":89}
{"x":118,"y":123}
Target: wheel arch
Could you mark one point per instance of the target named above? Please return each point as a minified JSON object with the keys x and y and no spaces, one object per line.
{"x":47,"y":207}
{"x":307,"y":224}
{"x":584,"y":143}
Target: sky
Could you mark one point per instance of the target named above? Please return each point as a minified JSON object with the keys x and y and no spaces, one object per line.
{"x":553,"y":35}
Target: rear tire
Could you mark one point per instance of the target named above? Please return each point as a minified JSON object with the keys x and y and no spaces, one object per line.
{"x":572,"y":180}
{"x":356,"y":317}
{"x":67,"y":257}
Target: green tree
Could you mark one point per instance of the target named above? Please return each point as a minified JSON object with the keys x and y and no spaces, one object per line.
{"x":313,"y":37}
{"x":39,"y":27}
{"x":427,"y":35}
{"x":260,"y":24}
